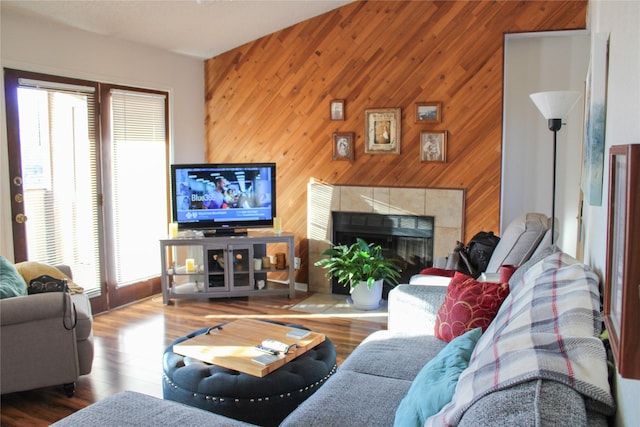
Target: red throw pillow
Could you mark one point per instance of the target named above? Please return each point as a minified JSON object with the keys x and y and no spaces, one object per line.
{"x":432,"y":271}
{"x":469,"y":304}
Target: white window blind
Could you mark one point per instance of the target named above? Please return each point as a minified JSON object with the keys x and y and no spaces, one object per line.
{"x":138,"y":175}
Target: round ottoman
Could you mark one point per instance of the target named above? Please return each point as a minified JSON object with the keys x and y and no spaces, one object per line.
{"x":262,"y":401}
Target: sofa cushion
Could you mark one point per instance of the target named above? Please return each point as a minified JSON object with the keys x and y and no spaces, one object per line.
{"x":469,"y":304}
{"x":31,"y":269}
{"x":393,"y":355}
{"x":436,"y":382}
{"x":518,"y":241}
{"x":540,"y":403}
{"x":412,"y":309}
{"x":129,"y":408}
{"x":11,"y":282}
{"x":351,"y":399}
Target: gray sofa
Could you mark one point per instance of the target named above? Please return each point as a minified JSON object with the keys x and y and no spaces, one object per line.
{"x":369,"y":386}
{"x":37,"y":349}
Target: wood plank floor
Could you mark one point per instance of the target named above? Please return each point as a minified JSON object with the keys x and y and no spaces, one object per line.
{"x":129,"y":343}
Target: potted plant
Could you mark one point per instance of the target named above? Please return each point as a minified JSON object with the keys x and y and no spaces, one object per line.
{"x":363,"y":267}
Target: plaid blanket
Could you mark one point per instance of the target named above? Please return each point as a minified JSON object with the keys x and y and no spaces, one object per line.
{"x":547,"y":328}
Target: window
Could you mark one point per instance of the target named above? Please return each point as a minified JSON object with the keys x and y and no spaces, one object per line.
{"x":89,"y":190}
{"x":138,"y":178}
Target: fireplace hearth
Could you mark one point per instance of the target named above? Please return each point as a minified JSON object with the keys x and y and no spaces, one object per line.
{"x":406,"y":238}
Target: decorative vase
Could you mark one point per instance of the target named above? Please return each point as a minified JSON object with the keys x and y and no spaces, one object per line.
{"x":364,"y":298}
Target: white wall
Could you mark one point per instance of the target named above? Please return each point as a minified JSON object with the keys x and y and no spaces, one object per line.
{"x":535,"y":63}
{"x":31,"y":45}
{"x":620,"y":20}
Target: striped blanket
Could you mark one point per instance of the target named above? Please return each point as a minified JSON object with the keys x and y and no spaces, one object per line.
{"x":547,"y":328}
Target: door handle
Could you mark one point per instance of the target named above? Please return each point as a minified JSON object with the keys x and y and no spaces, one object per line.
{"x":21,"y":218}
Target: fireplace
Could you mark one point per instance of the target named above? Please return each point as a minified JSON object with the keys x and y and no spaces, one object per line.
{"x":406,"y":238}
{"x":445,"y":206}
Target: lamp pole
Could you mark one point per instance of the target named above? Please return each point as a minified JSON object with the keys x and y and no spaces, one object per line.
{"x":554,"y":126}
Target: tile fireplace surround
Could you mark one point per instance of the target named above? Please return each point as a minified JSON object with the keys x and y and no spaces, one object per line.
{"x":446,"y":205}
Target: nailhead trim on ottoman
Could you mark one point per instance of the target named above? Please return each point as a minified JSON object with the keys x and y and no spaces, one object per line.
{"x":262,"y":401}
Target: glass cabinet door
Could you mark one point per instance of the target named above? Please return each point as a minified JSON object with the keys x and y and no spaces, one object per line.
{"x":241,"y":272}
{"x":216,"y":264}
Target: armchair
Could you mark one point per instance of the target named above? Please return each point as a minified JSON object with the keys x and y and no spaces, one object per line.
{"x":37,"y":350}
{"x":525,"y":236}
{"x":519,"y":241}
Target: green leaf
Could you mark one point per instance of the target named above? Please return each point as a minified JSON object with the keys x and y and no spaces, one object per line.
{"x":359,"y":262}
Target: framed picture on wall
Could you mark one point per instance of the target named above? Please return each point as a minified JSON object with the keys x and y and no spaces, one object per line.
{"x":594,"y":131}
{"x":382,"y":130}
{"x":433,"y":146}
{"x":337,"y":109}
{"x":343,"y":146}
{"x":621,"y":290}
{"x":428,"y":112}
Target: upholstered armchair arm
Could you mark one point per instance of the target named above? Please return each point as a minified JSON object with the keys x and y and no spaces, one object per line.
{"x":413,"y":308}
{"x":31,"y":308}
{"x":38,"y":348}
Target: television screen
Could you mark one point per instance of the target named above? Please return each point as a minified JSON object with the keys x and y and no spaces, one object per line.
{"x":223,"y":197}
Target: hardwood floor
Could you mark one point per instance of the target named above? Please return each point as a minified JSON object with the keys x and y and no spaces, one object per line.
{"x":129,"y":343}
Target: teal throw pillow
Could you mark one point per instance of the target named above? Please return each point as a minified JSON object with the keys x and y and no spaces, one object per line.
{"x":435,"y":384}
{"x":11,"y":282}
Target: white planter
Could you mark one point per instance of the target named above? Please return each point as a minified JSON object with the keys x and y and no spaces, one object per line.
{"x":364,"y":298}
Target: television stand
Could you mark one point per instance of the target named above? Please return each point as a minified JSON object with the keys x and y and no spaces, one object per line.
{"x":228,"y":266}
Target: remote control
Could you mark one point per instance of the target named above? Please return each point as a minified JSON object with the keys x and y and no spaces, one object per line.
{"x":267,"y":350}
{"x":265,"y":359}
{"x":278,"y":346}
{"x":298,"y":333}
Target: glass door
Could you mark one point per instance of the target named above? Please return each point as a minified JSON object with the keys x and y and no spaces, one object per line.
{"x":54,"y":173}
{"x":89,"y":190}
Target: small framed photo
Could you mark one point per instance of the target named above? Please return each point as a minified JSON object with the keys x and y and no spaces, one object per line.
{"x":433,"y":146}
{"x":337,"y":109}
{"x":382,"y":130}
{"x":428,"y":112}
{"x":343,"y":146}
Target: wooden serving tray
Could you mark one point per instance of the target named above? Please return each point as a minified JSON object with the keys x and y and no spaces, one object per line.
{"x":233,"y":346}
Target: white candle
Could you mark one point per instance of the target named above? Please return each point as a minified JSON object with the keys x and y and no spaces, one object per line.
{"x":277,"y":225}
{"x":173,"y":230}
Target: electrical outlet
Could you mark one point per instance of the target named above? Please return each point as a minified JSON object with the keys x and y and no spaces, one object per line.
{"x":296,"y":263}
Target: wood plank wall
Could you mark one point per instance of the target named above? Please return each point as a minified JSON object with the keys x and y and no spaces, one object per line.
{"x":269,"y":100}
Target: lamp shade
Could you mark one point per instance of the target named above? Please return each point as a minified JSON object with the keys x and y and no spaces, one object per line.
{"x":556,"y":104}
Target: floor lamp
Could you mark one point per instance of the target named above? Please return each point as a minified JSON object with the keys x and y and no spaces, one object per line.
{"x":554,"y":106}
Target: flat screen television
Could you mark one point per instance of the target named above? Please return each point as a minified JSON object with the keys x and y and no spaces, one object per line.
{"x":223,"y":198}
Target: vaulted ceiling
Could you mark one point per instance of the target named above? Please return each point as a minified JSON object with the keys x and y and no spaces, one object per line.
{"x":197,"y":28}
